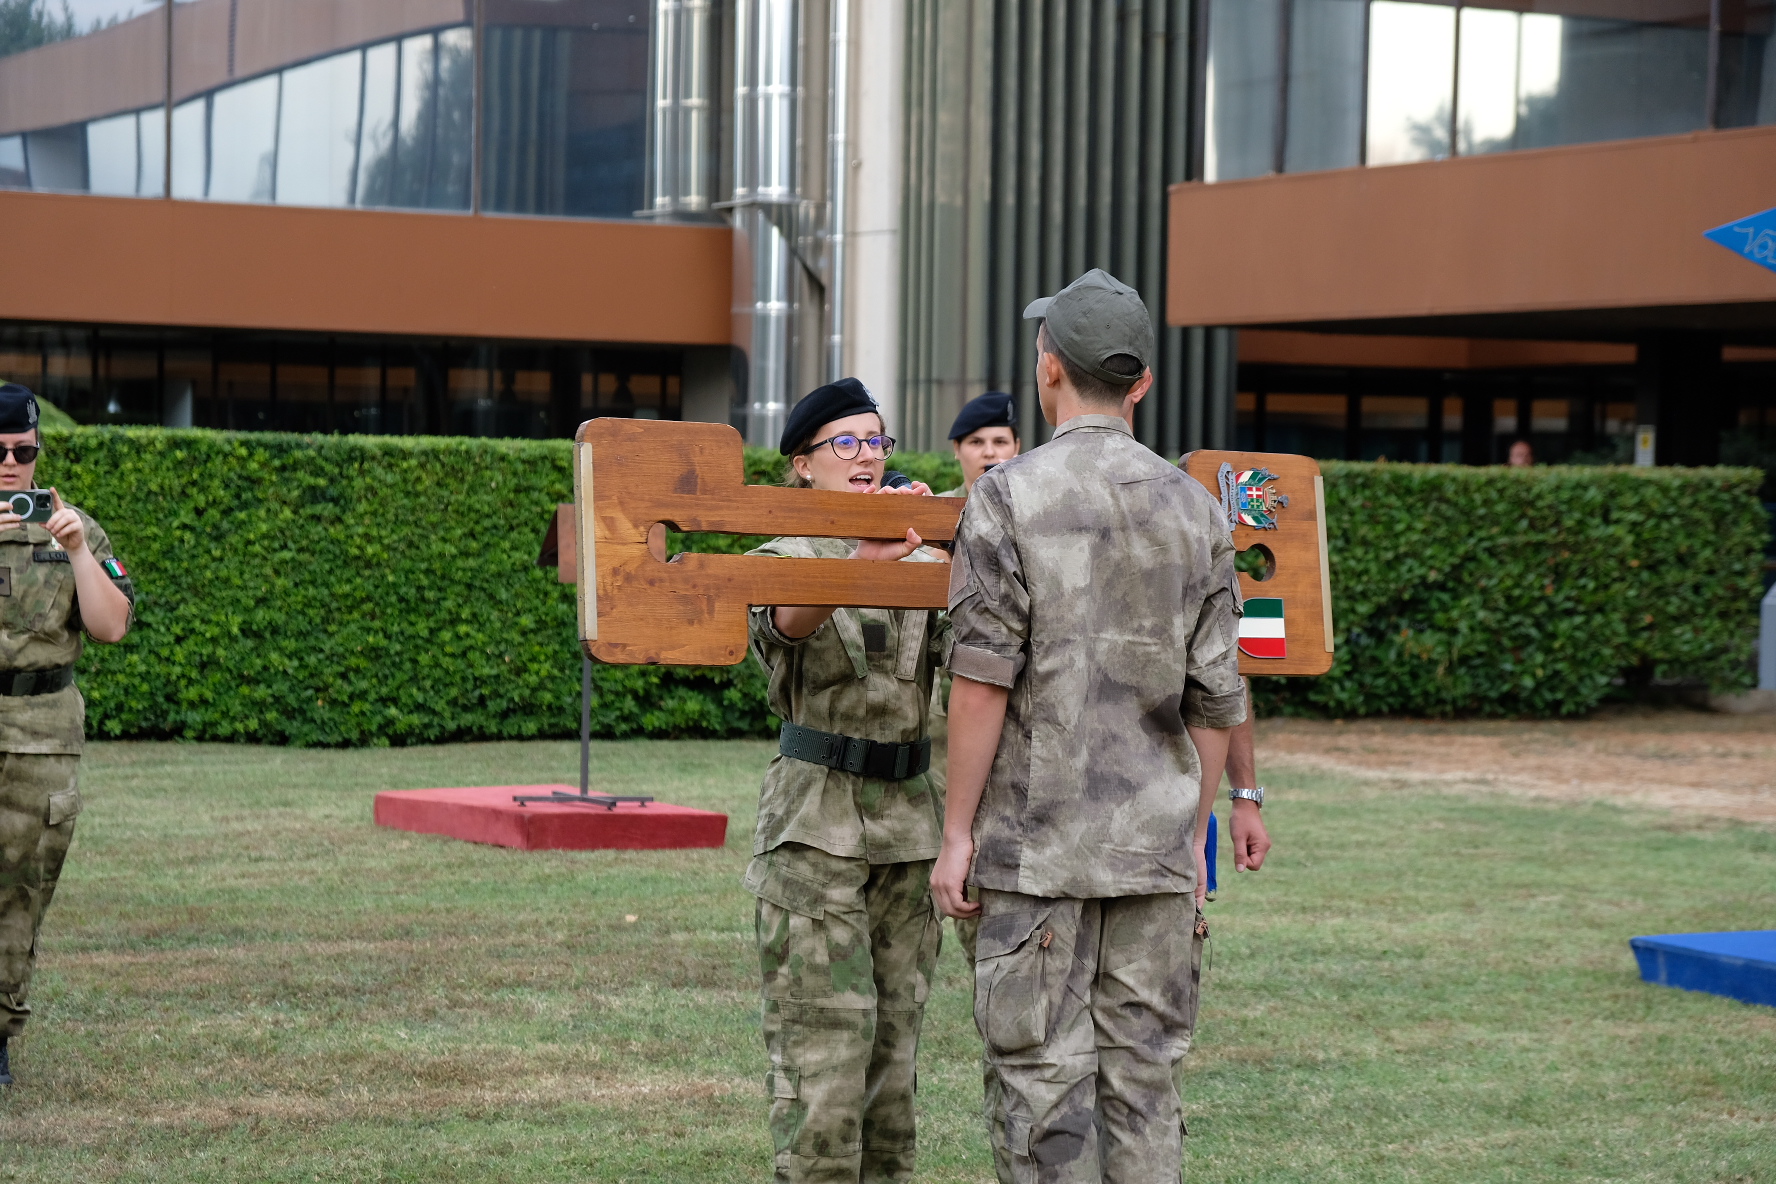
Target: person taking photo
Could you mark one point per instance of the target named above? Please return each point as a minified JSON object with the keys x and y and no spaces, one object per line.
{"x":848,"y":826}
{"x":58,"y":582}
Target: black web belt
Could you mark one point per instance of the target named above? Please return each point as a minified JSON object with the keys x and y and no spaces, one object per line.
{"x":35,"y":682}
{"x":871,"y":758}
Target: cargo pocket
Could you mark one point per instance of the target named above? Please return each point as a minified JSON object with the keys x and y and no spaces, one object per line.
{"x":1011,"y":1005}
{"x":793,"y":959}
{"x":63,"y":805}
{"x":784,"y":1083}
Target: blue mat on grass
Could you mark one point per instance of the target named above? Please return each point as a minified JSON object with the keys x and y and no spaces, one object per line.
{"x":1740,"y":966}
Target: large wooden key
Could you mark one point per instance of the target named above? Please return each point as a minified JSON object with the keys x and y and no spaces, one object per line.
{"x":634,"y":477}
{"x":1275,"y":505}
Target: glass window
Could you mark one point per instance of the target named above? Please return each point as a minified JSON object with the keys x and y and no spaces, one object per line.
{"x":187,"y":400}
{"x":1611,"y":79}
{"x":1312,"y":425}
{"x":151,"y":137}
{"x":1452,"y":430}
{"x":1486,"y":99}
{"x":1748,"y":64}
{"x":1504,"y":417}
{"x":376,"y":138}
{"x":428,"y":167}
{"x":112,"y":166}
{"x":67,"y":68}
{"x":243,"y":141}
{"x":1245,"y":47}
{"x":191,"y":148}
{"x":129,"y":379}
{"x":1395,"y":427}
{"x":565,"y":112}
{"x":1411,"y":81}
{"x":1325,"y":128}
{"x":12,"y":163}
{"x":317,"y":141}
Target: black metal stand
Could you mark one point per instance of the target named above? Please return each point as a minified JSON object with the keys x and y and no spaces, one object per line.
{"x":585,"y":797}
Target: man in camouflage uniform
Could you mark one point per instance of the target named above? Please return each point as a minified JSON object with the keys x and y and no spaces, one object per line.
{"x":57,"y":579}
{"x":1093,"y":608}
{"x":848,"y":937}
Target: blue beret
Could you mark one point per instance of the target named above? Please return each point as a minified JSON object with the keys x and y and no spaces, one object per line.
{"x":18,"y":408}
{"x":821,"y":405}
{"x":990,"y":410}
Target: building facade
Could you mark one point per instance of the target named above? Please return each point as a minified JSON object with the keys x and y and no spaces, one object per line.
{"x":1366,"y":228}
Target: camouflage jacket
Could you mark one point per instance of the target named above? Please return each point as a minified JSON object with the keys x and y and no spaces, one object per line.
{"x":40,"y":630}
{"x":940,"y":706}
{"x":1095,"y":581}
{"x":865,"y":672}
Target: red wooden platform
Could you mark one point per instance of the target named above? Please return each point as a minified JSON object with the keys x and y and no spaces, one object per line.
{"x":487,"y":814}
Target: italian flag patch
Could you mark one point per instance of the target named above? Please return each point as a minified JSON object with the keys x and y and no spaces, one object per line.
{"x":1261,"y":629}
{"x":115,"y":570}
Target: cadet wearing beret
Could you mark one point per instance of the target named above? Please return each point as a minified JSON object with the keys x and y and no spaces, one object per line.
{"x":984,"y":434}
{"x":58,"y":580}
{"x":847,"y":829}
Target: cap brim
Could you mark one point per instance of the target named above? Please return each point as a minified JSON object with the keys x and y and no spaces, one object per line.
{"x":1037,"y":309}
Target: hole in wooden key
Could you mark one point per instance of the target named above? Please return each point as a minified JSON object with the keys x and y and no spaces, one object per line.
{"x":1256,"y":561}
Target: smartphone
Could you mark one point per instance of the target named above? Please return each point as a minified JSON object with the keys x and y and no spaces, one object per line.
{"x":33,"y":505}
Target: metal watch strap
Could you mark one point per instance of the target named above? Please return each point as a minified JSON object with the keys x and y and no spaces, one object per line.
{"x":1250,"y":795}
{"x":869,"y":758}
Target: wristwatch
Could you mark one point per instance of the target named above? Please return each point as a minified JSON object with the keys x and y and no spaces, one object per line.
{"x":1255,"y":796}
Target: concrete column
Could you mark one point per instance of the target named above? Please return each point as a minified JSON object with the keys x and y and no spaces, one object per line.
{"x":872,"y":305}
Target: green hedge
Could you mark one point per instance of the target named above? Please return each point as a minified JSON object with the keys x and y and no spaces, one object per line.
{"x":1512,"y":592}
{"x":349,"y":590}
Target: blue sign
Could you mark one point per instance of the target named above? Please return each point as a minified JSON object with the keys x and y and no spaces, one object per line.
{"x":1753,"y":237}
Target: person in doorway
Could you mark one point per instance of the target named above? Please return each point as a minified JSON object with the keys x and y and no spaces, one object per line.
{"x":58,"y":581}
{"x":1094,"y":612}
{"x":1521,"y":456}
{"x":848,"y":825}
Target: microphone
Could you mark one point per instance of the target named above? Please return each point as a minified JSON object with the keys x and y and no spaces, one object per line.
{"x":894,"y":480}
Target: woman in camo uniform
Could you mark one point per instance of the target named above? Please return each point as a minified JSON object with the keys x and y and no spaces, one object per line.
{"x":848,"y":827}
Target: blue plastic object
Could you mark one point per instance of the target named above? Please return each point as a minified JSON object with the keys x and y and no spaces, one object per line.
{"x":1210,"y":852}
{"x":1740,"y":966}
{"x":1753,"y":237}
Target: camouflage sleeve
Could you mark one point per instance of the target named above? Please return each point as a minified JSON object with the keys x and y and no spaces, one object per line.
{"x":761,"y":621}
{"x":1213,"y":694}
{"x":989,"y":602}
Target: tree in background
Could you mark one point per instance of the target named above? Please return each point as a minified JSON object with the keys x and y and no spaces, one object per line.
{"x":26,"y":24}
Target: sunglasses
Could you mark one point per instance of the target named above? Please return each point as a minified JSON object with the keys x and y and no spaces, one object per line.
{"x":23,"y":453}
{"x":849,"y":447}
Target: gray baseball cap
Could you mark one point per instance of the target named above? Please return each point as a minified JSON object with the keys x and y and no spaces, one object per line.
{"x":1093,"y":318}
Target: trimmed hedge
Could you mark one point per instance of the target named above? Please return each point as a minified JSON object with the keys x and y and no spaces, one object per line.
{"x":351,"y":590}
{"x":1512,"y":592}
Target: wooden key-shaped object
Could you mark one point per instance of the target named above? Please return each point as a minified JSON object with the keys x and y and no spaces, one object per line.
{"x":635,"y":477}
{"x":1275,"y":503}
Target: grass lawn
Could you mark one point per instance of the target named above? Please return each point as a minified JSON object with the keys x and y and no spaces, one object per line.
{"x":243,"y":979}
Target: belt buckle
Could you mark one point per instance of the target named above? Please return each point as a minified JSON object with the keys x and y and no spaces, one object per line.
{"x":903,"y":760}
{"x":856,"y":755}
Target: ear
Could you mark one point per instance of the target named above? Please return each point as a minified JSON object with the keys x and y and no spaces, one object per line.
{"x":1049,"y":367}
{"x":800,"y":464}
{"x":1139,"y":391}
{"x":956,"y":447}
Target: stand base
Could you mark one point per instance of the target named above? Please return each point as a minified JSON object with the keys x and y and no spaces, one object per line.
{"x":488,"y":814}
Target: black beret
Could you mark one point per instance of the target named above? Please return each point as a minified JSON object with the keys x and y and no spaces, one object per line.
{"x":991,"y":410}
{"x":18,"y":408}
{"x":821,"y":405}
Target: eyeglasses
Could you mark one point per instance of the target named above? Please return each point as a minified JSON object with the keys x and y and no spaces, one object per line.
{"x":25,"y":453}
{"x":849,"y":447}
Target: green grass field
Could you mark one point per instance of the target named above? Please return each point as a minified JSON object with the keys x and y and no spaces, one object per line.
{"x":243,"y":979}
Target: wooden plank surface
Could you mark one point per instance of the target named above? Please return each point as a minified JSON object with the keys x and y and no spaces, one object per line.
{"x":1297,"y":543}
{"x":634,"y":477}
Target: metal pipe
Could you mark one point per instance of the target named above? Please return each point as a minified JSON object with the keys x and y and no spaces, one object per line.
{"x":766,"y":100}
{"x":838,"y":182}
{"x":678,"y":167}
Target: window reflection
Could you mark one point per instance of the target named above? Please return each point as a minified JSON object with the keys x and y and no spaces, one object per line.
{"x":1325,"y":128}
{"x":1242,"y":87}
{"x":317,"y":132}
{"x":191,"y":148}
{"x":1411,"y":81}
{"x":243,"y":141}
{"x":1486,"y":98}
{"x":1748,"y":64}
{"x":111,"y":155}
{"x":376,"y":138}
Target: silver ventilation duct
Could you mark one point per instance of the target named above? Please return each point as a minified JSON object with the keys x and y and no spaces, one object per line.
{"x":838,"y":173}
{"x":767,"y":102}
{"x":678,"y":147}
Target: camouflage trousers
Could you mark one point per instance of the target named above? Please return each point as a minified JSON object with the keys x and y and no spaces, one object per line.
{"x":1087,"y":1008}
{"x":847,"y":950}
{"x":39,"y":799}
